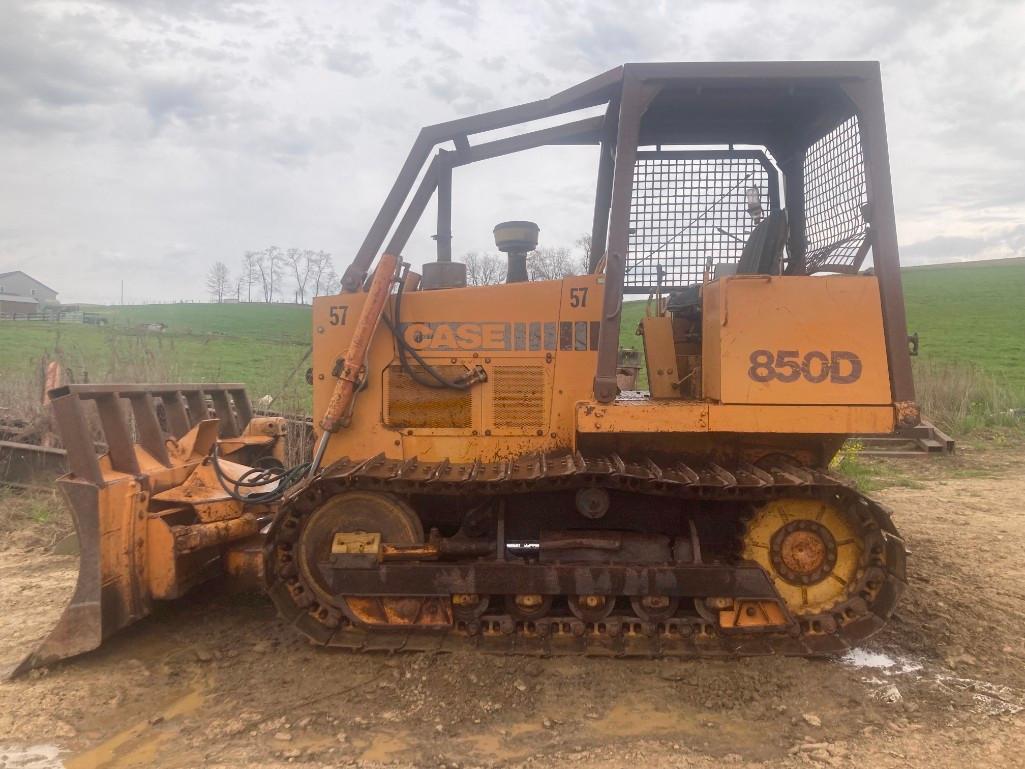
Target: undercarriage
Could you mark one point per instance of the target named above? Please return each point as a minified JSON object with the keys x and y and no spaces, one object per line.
{"x":568,"y":553}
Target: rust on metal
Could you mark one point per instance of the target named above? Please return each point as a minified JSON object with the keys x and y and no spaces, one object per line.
{"x":908,"y":413}
{"x":803,"y":552}
{"x":188,"y":539}
{"x":149,"y":518}
{"x":345,"y":389}
{"x":746,"y":603}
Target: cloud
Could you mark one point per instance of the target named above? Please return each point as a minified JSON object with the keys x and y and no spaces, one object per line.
{"x":463,"y":94}
{"x":341,"y":57}
{"x":136,"y":135}
{"x":999,"y":244}
{"x":186,"y":101}
{"x":47,"y":87}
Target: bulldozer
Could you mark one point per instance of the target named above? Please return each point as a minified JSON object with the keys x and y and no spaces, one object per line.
{"x":480,"y":479}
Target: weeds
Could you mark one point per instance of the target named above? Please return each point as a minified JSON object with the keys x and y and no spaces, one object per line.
{"x":962,"y":399}
{"x":869,"y":475}
{"x":32,"y":517}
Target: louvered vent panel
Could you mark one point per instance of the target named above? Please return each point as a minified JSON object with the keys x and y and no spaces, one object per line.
{"x":411,"y":404}
{"x":519,"y":397}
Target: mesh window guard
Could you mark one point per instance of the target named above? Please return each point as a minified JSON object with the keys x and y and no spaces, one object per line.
{"x":689,"y":207}
{"x":834,"y":193}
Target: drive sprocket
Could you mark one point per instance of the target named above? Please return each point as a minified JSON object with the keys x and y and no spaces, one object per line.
{"x":813,"y":549}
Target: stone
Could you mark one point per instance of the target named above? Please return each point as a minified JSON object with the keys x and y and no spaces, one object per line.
{"x":889,"y":694}
{"x":811,"y":719}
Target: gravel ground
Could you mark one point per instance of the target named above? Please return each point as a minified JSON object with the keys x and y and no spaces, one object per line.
{"x":217,"y":681}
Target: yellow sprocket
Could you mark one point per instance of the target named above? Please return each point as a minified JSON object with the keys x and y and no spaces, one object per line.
{"x":811,"y":549}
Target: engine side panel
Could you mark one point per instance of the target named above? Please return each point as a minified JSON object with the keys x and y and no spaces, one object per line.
{"x":535,"y":342}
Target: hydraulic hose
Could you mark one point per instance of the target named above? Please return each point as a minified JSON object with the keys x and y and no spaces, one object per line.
{"x":404,"y":348}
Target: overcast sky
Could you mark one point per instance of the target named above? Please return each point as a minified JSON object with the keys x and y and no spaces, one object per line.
{"x":146,"y":139}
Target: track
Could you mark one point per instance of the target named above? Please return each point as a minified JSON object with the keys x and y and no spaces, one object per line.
{"x":868,"y":602}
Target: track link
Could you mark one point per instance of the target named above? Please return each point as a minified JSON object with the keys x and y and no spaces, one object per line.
{"x":868,"y":606}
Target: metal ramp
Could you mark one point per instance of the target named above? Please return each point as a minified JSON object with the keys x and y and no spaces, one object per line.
{"x":924,"y":439}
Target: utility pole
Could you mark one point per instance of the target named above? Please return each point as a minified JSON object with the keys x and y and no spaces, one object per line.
{"x":122,"y":292}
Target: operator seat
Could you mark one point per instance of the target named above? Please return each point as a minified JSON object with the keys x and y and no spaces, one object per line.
{"x":762,"y":255}
{"x":763,"y":252}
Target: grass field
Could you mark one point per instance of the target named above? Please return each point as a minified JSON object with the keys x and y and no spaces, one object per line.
{"x":970,"y":318}
{"x":972,"y":314}
{"x":267,"y":322}
{"x":260,"y":345}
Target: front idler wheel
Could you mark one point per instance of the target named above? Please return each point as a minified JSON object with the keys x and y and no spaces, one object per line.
{"x":360,"y":513}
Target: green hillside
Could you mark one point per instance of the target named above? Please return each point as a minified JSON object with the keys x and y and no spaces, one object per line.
{"x":971,"y":314}
{"x":285,"y":322}
{"x":260,"y":345}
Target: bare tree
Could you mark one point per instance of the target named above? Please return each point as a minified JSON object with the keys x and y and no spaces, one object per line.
{"x":484,"y":269}
{"x":551,"y":264}
{"x":269,"y":267}
{"x":583,"y":243}
{"x":218,"y":281}
{"x":302,"y":263}
{"x":248,"y":277}
{"x":323,"y":275}
{"x":332,"y":282}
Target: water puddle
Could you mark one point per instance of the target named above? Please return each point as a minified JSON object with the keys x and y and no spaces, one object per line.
{"x":986,"y":698}
{"x":981,"y":697}
{"x":138,"y":745}
{"x":384,"y":747}
{"x":636,"y":720}
{"x":884,"y":663}
{"x":30,"y":757}
{"x":504,"y":745}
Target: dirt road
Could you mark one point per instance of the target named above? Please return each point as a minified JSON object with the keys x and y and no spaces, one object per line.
{"x":217,"y":681}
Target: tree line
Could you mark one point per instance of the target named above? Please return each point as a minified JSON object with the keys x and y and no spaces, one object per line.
{"x":273,"y":275}
{"x":549,"y":263}
{"x":276,"y":274}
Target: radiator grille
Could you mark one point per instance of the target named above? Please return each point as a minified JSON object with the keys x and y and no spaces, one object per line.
{"x":410,"y":404}
{"x":519,"y":397}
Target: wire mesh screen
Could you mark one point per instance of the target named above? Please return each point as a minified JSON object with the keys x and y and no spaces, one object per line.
{"x":689,"y":208}
{"x":834,"y":193}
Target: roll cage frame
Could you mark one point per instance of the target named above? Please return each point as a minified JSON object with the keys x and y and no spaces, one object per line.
{"x":784,"y":106}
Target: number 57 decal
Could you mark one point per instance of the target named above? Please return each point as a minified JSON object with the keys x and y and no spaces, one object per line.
{"x":578,"y":297}
{"x":337,"y":313}
{"x":815,"y":366}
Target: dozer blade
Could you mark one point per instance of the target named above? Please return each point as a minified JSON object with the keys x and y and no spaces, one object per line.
{"x":138,"y":540}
